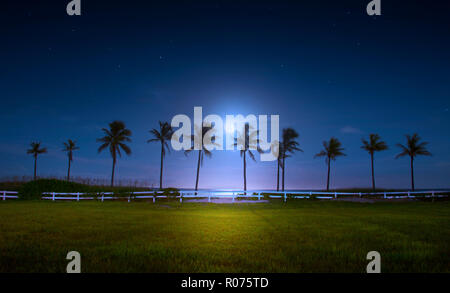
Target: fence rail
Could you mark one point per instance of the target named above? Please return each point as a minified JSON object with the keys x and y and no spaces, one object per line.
{"x":231,"y":194}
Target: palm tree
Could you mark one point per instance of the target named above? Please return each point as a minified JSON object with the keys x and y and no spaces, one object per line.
{"x":248,"y":140}
{"x":332,"y":150}
{"x":162,"y":135}
{"x":413,"y":149}
{"x":288,"y":145}
{"x":199,"y":136}
{"x":115,"y":138}
{"x":69,"y":147}
{"x":36,"y":150}
{"x":373,"y":145}
{"x":279,"y":164}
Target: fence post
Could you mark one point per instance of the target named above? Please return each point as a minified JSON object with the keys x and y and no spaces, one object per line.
{"x":335,"y":195}
{"x":181,"y":197}
{"x":385,"y":195}
{"x":103,"y":196}
{"x":53,"y":197}
{"x":4,"y":195}
{"x":285,"y":197}
{"x":154,"y":198}
{"x":259,"y":194}
{"x":128,"y":198}
{"x":409,"y":194}
{"x":310,"y":194}
{"x":78,"y":196}
{"x":432,"y":196}
{"x":360,"y":195}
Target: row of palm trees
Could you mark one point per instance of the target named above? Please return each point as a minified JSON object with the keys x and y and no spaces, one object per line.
{"x":117,"y":135}
{"x":36,"y":149}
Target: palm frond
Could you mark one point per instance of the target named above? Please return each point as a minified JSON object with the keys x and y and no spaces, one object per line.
{"x":251,"y":155}
{"x":320,"y":154}
{"x":331,"y":149}
{"x":115,"y":139}
{"x":413,"y":147}
{"x":405,"y":151}
{"x":125,"y":148}
{"x":35,"y":149}
{"x":374,"y":144}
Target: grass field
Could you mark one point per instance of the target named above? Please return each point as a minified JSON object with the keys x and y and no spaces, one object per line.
{"x":301,"y":236}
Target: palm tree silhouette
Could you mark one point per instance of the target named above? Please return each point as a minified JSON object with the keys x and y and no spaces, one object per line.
{"x":332,"y":150}
{"x":69,"y":147}
{"x":373,"y":145}
{"x":115,"y":138}
{"x":36,"y":150}
{"x":413,"y":149}
{"x":279,"y":164}
{"x":162,"y":135}
{"x":248,"y":140}
{"x":202,"y":150}
{"x":288,"y":145}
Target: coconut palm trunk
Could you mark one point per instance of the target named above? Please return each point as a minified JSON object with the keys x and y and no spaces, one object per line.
{"x":413,"y":148}
{"x":278,"y":176}
{"x":69,"y":147}
{"x":412,"y":173}
{"x":372,"y":145}
{"x":68,"y":171}
{"x":331,"y":150}
{"x":200,"y":135}
{"x":246,"y":141}
{"x":35,"y":166}
{"x":198,"y":169}
{"x":114,"y":139}
{"x":282,"y":175}
{"x":373,"y":172}
{"x":113,"y":168}
{"x":288,"y":146}
{"x":328,"y":175}
{"x":162,"y":166}
{"x":245,"y":173}
{"x":162,"y":135}
{"x":35,"y":150}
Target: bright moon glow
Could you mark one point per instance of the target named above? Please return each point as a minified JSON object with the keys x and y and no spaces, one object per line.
{"x":229,"y":127}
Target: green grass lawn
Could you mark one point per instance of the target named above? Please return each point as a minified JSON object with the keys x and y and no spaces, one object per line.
{"x":301,"y":236}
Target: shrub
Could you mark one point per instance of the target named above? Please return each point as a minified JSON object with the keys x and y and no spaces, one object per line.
{"x":34,"y":189}
{"x":170,"y":192}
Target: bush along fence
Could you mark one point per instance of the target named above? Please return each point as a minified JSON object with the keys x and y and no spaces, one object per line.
{"x":234,"y":195}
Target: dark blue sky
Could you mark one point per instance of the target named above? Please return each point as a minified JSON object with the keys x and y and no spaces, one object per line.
{"x":326,"y":67}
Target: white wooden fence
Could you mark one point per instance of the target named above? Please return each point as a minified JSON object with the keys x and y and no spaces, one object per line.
{"x":8,"y":194}
{"x":231,"y":194}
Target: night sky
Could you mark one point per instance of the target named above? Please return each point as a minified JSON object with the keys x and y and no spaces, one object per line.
{"x":326,"y":67}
